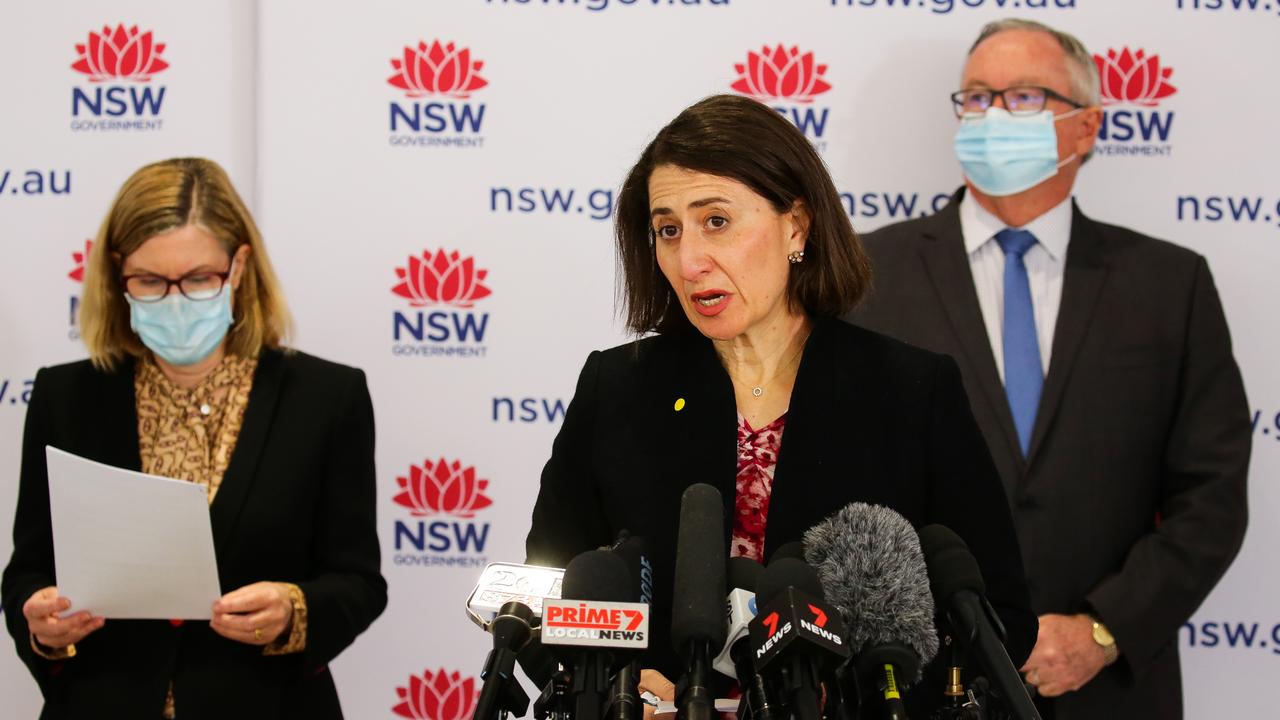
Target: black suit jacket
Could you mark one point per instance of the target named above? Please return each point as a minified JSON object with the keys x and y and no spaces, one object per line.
{"x":870,"y":420}
{"x":1132,"y":501}
{"x":296,"y":504}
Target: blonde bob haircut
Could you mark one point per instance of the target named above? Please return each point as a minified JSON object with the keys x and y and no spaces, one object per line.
{"x":157,"y":199}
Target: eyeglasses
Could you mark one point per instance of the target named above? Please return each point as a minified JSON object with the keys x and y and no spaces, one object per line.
{"x":1019,"y":100}
{"x":200,"y":285}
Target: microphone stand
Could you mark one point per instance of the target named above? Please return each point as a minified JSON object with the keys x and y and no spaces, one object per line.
{"x":959,"y":703}
{"x":694,"y":699}
{"x":501,"y":693}
{"x":624,"y":702}
{"x":553,"y":703}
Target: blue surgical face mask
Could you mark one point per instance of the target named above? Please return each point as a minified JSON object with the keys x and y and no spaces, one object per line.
{"x":179,"y":330}
{"x":1003,"y":154}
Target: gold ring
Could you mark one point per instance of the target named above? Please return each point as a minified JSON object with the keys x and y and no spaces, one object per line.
{"x":257,"y":633}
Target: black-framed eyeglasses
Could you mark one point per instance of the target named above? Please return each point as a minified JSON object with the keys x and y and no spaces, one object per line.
{"x":199,"y":285}
{"x":1018,"y":100}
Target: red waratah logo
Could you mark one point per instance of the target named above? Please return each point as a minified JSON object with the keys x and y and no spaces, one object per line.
{"x":781,"y":74}
{"x":1133,"y":77}
{"x":443,"y":488}
{"x":437,"y":696}
{"x":120,"y":54}
{"x":80,"y":257}
{"x":441,"y":278}
{"x":437,"y":69}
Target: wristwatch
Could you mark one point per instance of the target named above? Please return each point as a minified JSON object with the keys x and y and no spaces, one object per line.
{"x":1105,"y":640}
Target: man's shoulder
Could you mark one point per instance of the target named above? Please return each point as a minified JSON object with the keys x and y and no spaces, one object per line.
{"x":1130,"y":245}
{"x":907,"y":231}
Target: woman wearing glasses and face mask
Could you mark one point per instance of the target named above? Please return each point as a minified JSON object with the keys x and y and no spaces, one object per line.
{"x":187,"y":378}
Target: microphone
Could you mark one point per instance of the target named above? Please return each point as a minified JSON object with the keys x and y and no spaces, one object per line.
{"x":624,"y":696}
{"x":697,"y":619}
{"x":530,"y":585}
{"x":956,"y":582}
{"x":501,"y":583}
{"x":793,"y":550}
{"x":873,"y":570}
{"x":511,"y":630}
{"x":594,"y":627}
{"x":744,"y":573}
{"x":796,"y":636}
{"x":735,"y":660}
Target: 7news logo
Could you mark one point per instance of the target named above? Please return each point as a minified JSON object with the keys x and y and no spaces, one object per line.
{"x":787,"y":80}
{"x":443,"y":498}
{"x":438,"y":80}
{"x":119,"y":65}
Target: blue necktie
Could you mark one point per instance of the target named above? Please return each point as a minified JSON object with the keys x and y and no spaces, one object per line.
{"x":1023,"y":378}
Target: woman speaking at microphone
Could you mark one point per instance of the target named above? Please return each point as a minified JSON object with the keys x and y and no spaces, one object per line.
{"x":736,"y":259}
{"x":187,"y":378}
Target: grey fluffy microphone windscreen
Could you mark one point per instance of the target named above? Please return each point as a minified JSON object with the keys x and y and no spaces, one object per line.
{"x":873,"y":570}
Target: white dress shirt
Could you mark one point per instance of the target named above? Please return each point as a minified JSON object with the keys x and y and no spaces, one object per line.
{"x":1045,"y":262}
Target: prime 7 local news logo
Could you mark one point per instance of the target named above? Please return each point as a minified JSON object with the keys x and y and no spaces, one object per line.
{"x":595,"y":624}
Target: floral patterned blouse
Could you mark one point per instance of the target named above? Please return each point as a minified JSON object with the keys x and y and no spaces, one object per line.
{"x":757,"y":458}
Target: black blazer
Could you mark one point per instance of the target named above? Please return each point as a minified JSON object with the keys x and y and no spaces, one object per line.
{"x":295,"y":505}
{"x":871,"y":420}
{"x":1132,"y":502}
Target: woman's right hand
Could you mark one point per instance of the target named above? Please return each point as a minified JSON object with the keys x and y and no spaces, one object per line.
{"x":41,"y":611}
{"x":655,"y":682}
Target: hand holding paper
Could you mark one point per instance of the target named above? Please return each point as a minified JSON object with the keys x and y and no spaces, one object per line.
{"x":130,"y":545}
{"x":41,"y":611}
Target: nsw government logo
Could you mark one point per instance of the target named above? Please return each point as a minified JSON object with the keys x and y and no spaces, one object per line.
{"x":438,"y":695}
{"x":438,"y":111}
{"x":1133,"y":84}
{"x":787,"y":80}
{"x":442,"y":498}
{"x":118,"y":65}
{"x":440,"y":280}
{"x":80,"y":258}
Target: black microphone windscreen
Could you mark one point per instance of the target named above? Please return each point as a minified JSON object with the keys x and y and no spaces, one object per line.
{"x":951,"y":566}
{"x":632,"y":549}
{"x":870,"y":562}
{"x":785,"y":573}
{"x":793,"y":549}
{"x":597,"y":575}
{"x":697,"y":608}
{"x":744,"y":573}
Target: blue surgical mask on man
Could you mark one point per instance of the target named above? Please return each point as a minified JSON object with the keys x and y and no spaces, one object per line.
{"x":179,"y":330}
{"x":1003,"y":154}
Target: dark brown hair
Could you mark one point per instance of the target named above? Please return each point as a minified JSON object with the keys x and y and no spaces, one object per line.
{"x":738,"y":138}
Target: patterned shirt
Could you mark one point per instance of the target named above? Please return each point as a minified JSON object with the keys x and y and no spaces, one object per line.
{"x":190,"y":435}
{"x":757,"y":458}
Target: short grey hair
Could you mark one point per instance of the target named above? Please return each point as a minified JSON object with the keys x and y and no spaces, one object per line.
{"x":1080,"y":66}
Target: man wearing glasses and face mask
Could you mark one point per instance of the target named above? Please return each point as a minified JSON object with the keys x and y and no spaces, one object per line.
{"x":1099,"y":366}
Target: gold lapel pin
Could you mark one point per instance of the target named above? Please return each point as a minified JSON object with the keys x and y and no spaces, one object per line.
{"x":679,"y":404}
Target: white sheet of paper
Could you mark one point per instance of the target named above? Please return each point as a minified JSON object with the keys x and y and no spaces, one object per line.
{"x":130,"y":545}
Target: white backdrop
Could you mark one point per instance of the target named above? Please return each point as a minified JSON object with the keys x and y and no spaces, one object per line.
{"x":497,"y":111}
